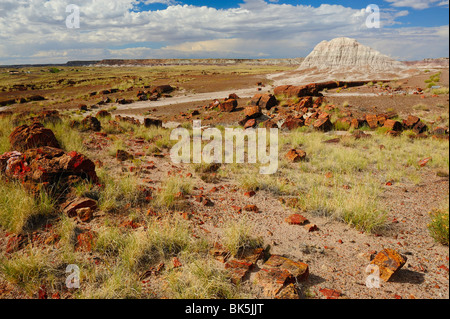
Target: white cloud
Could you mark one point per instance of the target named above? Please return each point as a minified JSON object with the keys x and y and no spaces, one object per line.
{"x":35,"y":32}
{"x":418,"y":4}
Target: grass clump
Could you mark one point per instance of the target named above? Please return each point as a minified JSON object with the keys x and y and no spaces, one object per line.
{"x":438,"y":226}
{"x":30,"y":268}
{"x":117,"y":194}
{"x":237,"y":236}
{"x":172,"y":193}
{"x":19,"y":210}
{"x":6,"y":127}
{"x":200,"y":278}
{"x":161,"y":240}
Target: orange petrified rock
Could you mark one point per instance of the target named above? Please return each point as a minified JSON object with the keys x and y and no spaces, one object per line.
{"x":389,"y":262}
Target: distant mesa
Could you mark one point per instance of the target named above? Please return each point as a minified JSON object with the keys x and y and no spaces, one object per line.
{"x":345,"y":54}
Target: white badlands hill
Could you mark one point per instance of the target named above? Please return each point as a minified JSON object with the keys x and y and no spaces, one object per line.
{"x":344,"y":59}
{"x":345,"y":53}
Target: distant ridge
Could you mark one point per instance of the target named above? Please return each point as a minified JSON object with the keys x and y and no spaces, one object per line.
{"x":165,"y":62}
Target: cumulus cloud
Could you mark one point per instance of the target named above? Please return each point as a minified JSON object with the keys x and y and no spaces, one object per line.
{"x":418,"y":4}
{"x":35,"y":31}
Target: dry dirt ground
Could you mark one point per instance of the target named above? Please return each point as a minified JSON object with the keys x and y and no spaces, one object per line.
{"x":337,"y":253}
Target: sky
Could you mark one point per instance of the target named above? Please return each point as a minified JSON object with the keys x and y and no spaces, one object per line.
{"x":35,"y":31}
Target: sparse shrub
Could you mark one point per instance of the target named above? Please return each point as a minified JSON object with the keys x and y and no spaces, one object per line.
{"x":421,"y":107}
{"x":54,"y":70}
{"x":341,"y":126}
{"x":440,"y":91}
{"x":438,"y":226}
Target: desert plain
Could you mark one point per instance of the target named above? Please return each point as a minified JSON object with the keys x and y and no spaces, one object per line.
{"x":86,"y":179}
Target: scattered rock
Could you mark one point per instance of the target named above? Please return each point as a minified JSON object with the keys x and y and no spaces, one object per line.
{"x":71,"y":208}
{"x":149,"y":122}
{"x":279,"y":272}
{"x":252,"y":112}
{"x":392,"y":125}
{"x":295,"y":156}
{"x":323,"y":124}
{"x":238,"y":269}
{"x":161,"y":89}
{"x":389,"y":262}
{"x":250,"y":124}
{"x":330,"y":293}
{"x":91,"y":123}
{"x":103,"y":113}
{"x":228,"y":105}
{"x":251,"y":208}
{"x":296,"y":219}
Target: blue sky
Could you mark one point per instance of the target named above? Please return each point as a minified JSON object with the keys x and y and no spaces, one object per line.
{"x":36,"y":32}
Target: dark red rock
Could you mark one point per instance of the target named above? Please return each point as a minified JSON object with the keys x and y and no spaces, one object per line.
{"x":228,"y":105}
{"x":252,"y":112}
{"x":295,"y":156}
{"x":296,"y":219}
{"x":267,"y":101}
{"x":250,"y":124}
{"x":149,"y":122}
{"x":393,"y":125}
{"x":71,"y":207}
{"x":91,"y":123}
{"x":323,"y":124}
{"x":292,"y":123}
{"x":36,"y":135}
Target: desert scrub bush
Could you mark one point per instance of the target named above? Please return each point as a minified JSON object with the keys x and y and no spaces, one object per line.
{"x":440,"y":91}
{"x":172,"y":191}
{"x":117,"y":194}
{"x":19,"y":209}
{"x":341,"y":126}
{"x":438,"y":226}
{"x":237,"y":236}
